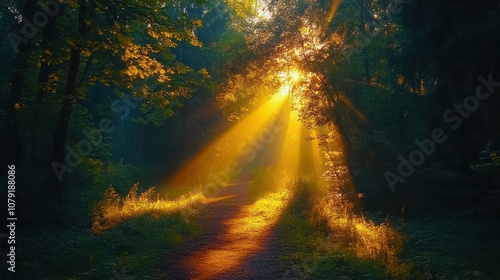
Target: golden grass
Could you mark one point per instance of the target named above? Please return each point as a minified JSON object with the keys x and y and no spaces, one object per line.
{"x":114,"y":209}
{"x":270,"y":207}
{"x":359,"y":235}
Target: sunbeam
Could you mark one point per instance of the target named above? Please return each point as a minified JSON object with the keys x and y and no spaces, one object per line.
{"x":224,"y":158}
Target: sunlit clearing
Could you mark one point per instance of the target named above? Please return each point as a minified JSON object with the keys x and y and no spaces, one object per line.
{"x":114,"y":209}
{"x":297,"y":86}
{"x":293,"y":138}
{"x":236,"y":147}
{"x":245,"y":235}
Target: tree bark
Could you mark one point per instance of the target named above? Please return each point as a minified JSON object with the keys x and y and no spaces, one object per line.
{"x":43,"y":78}
{"x":364,"y":52}
{"x":61,"y":132}
{"x":14,"y":139}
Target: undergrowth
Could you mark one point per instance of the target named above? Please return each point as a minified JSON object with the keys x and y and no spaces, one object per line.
{"x":330,"y":242}
{"x":128,"y":238}
{"x":114,"y":209}
{"x":132,"y":248}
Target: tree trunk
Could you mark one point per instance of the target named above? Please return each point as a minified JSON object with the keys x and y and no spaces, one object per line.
{"x":366,"y":64}
{"x":14,"y":140}
{"x":61,"y":132}
{"x":364,"y":52}
{"x":43,"y":78}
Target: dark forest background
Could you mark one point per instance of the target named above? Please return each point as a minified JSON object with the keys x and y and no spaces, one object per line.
{"x":155,"y":75}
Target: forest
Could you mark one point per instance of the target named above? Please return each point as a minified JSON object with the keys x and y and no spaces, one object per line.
{"x":250,"y":139}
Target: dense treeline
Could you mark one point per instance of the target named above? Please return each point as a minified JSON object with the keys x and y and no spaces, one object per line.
{"x":92,"y":85}
{"x":411,"y":85}
{"x":120,"y":85}
{"x":101,"y":94}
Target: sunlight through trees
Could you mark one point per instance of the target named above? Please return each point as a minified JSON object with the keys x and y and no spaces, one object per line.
{"x":257,"y":129}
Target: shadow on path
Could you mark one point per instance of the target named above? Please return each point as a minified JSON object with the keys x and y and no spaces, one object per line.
{"x":236,"y":242}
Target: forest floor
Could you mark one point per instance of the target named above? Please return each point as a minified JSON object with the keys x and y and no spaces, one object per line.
{"x":233,"y":244}
{"x":235,"y":236}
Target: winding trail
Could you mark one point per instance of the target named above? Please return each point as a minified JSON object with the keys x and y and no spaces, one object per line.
{"x":235,"y":243}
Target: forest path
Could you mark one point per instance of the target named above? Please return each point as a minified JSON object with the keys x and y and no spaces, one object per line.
{"x":235,"y":243}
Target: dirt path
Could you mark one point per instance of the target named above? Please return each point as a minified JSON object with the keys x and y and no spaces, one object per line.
{"x":235,"y":244}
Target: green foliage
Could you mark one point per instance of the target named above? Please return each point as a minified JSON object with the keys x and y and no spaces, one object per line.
{"x":92,"y":178}
{"x":321,"y":257}
{"x":383,"y":82}
{"x":135,"y":246}
{"x":492,"y":167}
{"x":451,"y":246}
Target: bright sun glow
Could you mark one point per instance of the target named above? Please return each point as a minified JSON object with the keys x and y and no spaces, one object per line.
{"x":295,"y":76}
{"x":284,"y":91}
{"x":290,"y":77}
{"x":263,"y":13}
{"x":288,"y":80}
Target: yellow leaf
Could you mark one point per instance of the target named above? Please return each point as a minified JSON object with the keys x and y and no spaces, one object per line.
{"x":204,"y":72}
{"x":197,"y":23}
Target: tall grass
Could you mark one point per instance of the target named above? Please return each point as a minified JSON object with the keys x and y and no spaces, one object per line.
{"x":378,"y":242}
{"x":114,"y":209}
{"x":329,"y":235}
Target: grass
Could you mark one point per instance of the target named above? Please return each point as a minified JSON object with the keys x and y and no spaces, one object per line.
{"x":361,"y":236}
{"x":114,"y":209}
{"x":330,"y":242}
{"x":452,"y":246}
{"x":136,"y":245}
{"x":129,"y":235}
